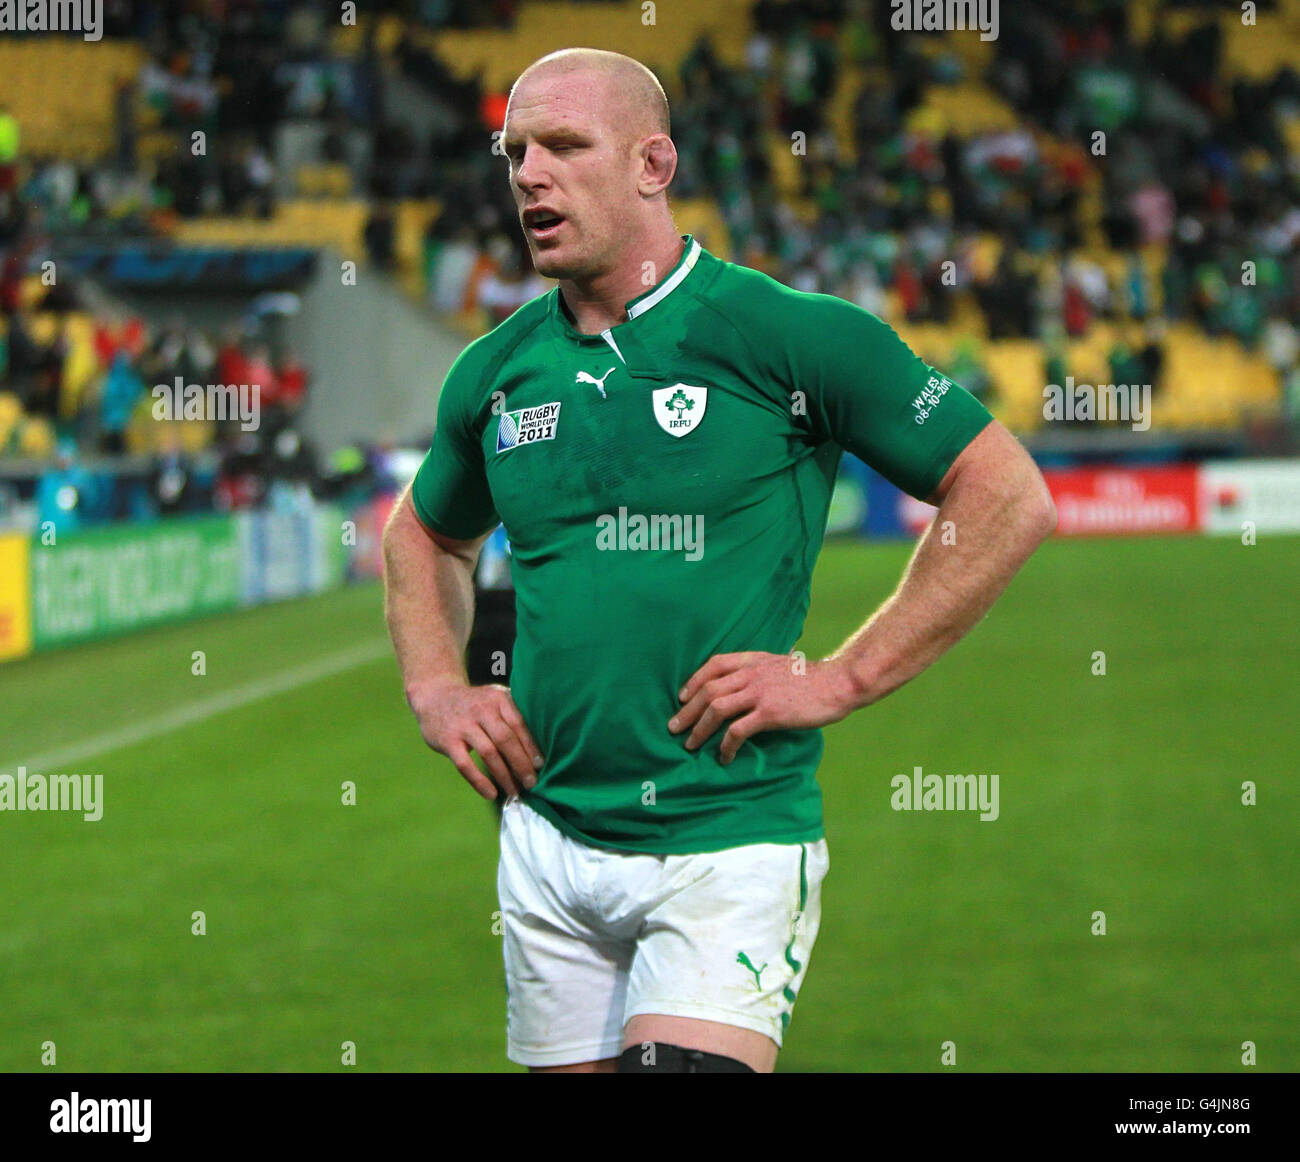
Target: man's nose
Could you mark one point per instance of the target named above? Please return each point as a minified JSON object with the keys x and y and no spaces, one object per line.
{"x":530,"y":172}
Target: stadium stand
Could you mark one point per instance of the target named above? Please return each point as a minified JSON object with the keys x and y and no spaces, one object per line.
{"x":1104,"y":191}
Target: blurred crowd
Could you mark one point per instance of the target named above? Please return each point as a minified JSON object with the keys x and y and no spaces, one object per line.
{"x":1181,"y":160}
{"x":876,"y":200}
{"x":234,"y":71}
{"x":79,"y":382}
{"x":1192,"y":162}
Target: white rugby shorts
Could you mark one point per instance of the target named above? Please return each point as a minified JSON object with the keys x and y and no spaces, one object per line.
{"x":594,"y":937}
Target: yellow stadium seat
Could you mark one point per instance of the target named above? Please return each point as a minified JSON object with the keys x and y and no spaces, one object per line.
{"x":35,"y":437}
{"x":11,"y":409}
{"x":58,"y":118}
{"x":323,"y":181}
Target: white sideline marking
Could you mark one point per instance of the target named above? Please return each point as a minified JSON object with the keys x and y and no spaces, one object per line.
{"x":206,"y":708}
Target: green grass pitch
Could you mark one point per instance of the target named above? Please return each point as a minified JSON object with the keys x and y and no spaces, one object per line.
{"x":374,"y":923}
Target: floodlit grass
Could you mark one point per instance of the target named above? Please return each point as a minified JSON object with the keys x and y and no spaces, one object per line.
{"x":373,"y":923}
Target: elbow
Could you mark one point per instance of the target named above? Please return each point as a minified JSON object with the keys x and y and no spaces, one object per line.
{"x":1044,"y":512}
{"x":1048,"y":524}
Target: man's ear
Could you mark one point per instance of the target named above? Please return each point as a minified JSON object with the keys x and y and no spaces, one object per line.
{"x":659,"y":164}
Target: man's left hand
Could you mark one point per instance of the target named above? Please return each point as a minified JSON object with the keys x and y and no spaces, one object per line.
{"x":760,"y":692}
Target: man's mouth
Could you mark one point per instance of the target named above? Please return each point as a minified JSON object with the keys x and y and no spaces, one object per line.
{"x":543,"y":224}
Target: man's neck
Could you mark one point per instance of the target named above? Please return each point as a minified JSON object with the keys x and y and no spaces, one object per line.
{"x":600,"y":303}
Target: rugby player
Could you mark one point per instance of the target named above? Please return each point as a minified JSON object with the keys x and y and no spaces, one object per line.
{"x":659,"y":435}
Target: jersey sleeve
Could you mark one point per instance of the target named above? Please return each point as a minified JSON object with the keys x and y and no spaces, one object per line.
{"x":450,"y":491}
{"x":868,"y":392}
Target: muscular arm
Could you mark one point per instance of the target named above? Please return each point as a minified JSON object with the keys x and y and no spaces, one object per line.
{"x":994,"y":510}
{"x":429,"y":607}
{"x":428,"y":598}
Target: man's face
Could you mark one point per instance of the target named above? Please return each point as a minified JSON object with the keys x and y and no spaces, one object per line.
{"x":573,"y":176}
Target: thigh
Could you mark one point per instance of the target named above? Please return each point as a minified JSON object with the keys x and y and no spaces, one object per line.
{"x":721,"y":959}
{"x":646,"y":1031}
{"x":566,"y":983}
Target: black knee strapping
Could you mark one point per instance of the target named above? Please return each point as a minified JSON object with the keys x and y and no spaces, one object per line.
{"x":656,"y":1057}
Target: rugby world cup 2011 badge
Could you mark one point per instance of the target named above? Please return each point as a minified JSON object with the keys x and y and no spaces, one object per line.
{"x":527,"y":426}
{"x":680,"y":408}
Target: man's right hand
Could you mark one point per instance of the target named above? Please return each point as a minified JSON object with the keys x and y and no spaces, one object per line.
{"x":456,"y":719}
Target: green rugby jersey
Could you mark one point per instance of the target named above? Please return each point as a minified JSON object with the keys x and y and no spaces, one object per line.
{"x":665,"y":486}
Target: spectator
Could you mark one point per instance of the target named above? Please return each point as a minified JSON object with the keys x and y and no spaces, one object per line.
{"x":122,"y":390}
{"x":380,"y":236}
{"x":65,"y":491}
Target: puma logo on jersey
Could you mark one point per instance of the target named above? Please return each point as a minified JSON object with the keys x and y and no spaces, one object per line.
{"x":598,"y":384}
{"x":527,"y":426}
